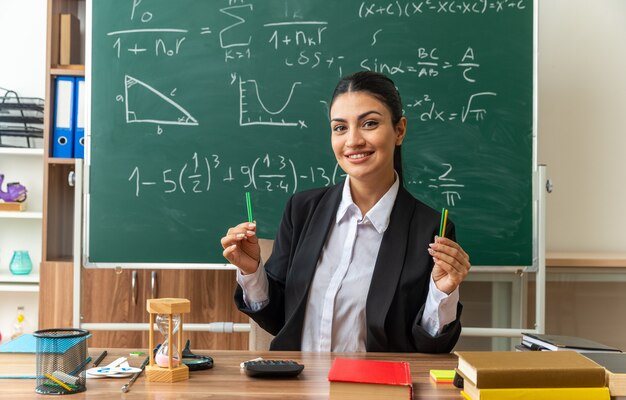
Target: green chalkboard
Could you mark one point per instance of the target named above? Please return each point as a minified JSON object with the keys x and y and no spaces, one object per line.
{"x":195,"y":102}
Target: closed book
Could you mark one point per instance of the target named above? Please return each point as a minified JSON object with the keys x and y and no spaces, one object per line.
{"x":586,"y":393}
{"x":528,"y":369}
{"x":369,"y":379}
{"x":12,"y":206}
{"x":615,"y":365}
{"x":560,"y":342}
{"x":521,"y":347}
{"x":69,"y":40}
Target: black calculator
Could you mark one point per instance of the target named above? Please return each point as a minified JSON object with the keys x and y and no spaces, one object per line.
{"x":272,"y":368}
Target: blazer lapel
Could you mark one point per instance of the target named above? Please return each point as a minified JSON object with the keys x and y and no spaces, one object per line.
{"x":388,"y":267}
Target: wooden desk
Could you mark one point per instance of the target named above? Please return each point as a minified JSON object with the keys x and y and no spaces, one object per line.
{"x":585,"y":260}
{"x":226,"y":381}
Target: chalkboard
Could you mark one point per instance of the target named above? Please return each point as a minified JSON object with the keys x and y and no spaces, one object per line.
{"x":194,"y":102}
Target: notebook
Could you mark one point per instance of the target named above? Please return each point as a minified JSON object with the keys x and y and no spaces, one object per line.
{"x":560,"y":342}
{"x":25,"y":343}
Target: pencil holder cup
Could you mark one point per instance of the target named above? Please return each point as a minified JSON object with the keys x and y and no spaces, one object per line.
{"x":61,"y":357}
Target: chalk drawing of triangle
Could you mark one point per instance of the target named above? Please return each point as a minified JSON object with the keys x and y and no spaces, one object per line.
{"x":146,"y":104}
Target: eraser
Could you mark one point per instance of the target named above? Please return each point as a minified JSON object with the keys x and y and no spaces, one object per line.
{"x":62,"y":376}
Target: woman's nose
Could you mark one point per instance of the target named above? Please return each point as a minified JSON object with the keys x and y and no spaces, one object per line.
{"x":354,"y":138}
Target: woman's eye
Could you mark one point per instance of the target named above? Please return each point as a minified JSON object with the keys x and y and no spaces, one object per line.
{"x":339,"y":128}
{"x":370,"y":124}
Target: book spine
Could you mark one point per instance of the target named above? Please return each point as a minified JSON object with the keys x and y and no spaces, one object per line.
{"x":567,"y":378}
{"x":407,"y":372}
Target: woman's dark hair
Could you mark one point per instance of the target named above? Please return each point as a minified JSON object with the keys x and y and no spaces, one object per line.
{"x":381,"y":87}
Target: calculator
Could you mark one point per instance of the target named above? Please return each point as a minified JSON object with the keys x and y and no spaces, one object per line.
{"x":272,"y":368}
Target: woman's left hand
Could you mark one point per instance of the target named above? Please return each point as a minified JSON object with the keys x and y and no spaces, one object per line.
{"x":451,"y":264}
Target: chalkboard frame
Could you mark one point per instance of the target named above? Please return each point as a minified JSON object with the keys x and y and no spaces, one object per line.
{"x":151,"y":265}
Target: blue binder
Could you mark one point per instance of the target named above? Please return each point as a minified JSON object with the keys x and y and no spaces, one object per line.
{"x":79,"y":118}
{"x":63,"y":134}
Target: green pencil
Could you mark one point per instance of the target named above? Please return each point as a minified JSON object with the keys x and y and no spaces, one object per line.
{"x":444,"y":220}
{"x":249,"y":205}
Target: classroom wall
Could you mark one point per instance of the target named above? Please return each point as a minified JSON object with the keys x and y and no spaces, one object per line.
{"x":582,"y":123}
{"x":23,"y":46}
{"x":585,"y":308}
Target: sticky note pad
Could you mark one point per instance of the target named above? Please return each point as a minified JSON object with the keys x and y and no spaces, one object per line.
{"x":442,"y":375}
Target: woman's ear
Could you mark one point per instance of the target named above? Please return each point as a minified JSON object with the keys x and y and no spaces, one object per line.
{"x":400,"y":131}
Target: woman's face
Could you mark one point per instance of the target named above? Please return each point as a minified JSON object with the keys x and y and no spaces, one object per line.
{"x":364,"y":137}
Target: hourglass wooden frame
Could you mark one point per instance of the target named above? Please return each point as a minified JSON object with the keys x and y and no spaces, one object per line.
{"x":169,"y":307}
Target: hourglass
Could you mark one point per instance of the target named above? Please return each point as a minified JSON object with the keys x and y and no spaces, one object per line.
{"x":169,"y":320}
{"x":167,"y":350}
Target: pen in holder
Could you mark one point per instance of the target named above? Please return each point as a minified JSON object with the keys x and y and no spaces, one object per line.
{"x":61,"y":355}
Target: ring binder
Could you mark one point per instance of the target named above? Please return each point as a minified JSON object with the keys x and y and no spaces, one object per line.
{"x":79,"y":118}
{"x":63,"y":136}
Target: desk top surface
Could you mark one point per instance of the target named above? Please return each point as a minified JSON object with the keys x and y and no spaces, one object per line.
{"x":227,"y":381}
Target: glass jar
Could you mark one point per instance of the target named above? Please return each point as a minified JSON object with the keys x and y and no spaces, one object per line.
{"x":20,"y":263}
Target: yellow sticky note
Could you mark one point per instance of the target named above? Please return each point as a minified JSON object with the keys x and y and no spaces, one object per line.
{"x":442,"y":375}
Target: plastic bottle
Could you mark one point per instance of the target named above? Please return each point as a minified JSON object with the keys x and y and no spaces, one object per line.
{"x":18,"y":326}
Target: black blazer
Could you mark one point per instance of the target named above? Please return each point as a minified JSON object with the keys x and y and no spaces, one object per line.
{"x":397,"y":293}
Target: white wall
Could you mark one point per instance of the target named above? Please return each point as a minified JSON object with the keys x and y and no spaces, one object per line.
{"x":582,"y":123}
{"x":23,"y":46}
{"x":22,"y":69}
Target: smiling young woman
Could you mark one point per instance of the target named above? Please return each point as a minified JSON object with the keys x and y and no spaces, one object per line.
{"x":364,"y":139}
{"x":356,"y":266}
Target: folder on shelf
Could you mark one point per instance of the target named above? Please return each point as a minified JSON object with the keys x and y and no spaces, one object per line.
{"x":63,"y":133}
{"x":79,"y":118}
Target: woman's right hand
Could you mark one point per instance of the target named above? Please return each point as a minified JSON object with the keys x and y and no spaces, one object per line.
{"x":241,"y":247}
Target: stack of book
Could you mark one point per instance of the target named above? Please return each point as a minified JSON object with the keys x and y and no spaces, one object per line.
{"x":532,"y":341}
{"x":532,"y":375}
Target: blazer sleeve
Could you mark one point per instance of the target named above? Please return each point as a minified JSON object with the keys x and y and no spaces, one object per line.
{"x":272,"y":317}
{"x":445,"y":341}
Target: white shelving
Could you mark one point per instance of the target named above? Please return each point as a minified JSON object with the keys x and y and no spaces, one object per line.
{"x":22,"y":165}
{"x":21,"y":214}
{"x":19,"y":283}
{"x":10,"y":278}
{"x":21,"y":230}
{"x":24,"y":152}
{"x":19,"y":287}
